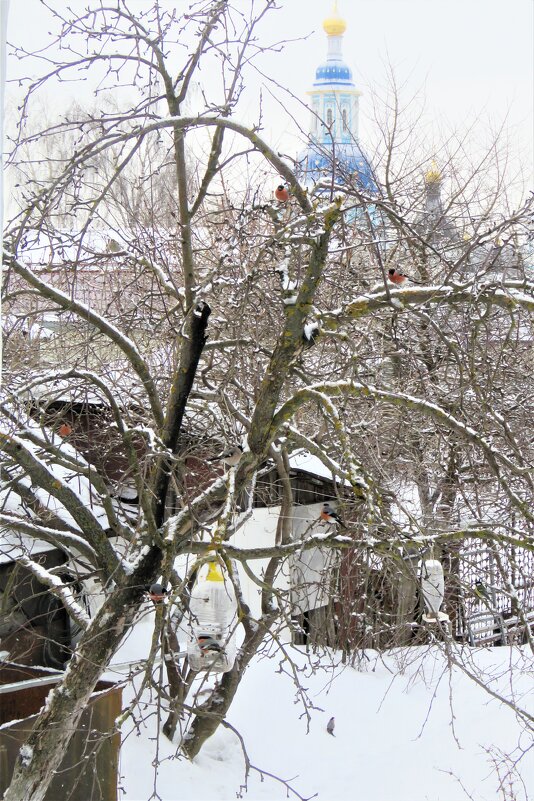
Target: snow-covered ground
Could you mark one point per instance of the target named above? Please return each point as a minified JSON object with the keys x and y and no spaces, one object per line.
{"x":407,"y":729}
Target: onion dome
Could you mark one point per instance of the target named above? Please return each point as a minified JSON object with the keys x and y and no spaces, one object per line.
{"x":334,"y":25}
{"x":433,"y":175}
{"x":335,"y":73}
{"x":316,"y":163}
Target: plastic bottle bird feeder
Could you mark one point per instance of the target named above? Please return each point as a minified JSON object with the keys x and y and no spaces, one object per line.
{"x":433,"y":587}
{"x":213,"y":606}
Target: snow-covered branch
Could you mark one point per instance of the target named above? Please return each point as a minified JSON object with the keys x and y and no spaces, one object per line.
{"x":43,"y":477}
{"x":58,"y":588}
{"x":508,"y":295}
{"x":68,"y":541}
{"x":104,"y":325}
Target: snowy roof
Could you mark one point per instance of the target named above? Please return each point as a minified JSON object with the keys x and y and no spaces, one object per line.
{"x":308,"y":463}
{"x":126,"y":388}
{"x":14,"y":546}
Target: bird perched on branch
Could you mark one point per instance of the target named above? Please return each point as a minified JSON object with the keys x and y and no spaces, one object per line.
{"x":64,"y":430}
{"x":157,"y":593}
{"x":481,"y":591}
{"x":229,"y":457}
{"x":330,"y":726}
{"x":281,"y":193}
{"x":396,"y":277}
{"x":330,"y":515}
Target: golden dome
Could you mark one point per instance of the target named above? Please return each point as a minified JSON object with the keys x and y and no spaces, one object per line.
{"x":334,"y":25}
{"x":433,"y":176}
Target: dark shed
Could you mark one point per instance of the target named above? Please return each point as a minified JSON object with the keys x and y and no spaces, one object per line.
{"x":89,"y":770}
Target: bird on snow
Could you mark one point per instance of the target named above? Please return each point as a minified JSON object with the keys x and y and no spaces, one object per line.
{"x":281,"y":193}
{"x":230,"y":457}
{"x":157,"y":593}
{"x":330,"y":516}
{"x":330,"y":727}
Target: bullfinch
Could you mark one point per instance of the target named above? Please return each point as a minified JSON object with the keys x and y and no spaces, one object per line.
{"x":330,"y":516}
{"x":281,"y":193}
{"x":157,"y":593}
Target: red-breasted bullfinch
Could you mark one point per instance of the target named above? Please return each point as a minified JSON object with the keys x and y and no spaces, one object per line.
{"x":281,"y":193}
{"x":157,"y":593}
{"x":396,"y":277}
{"x":328,"y":514}
{"x":207,"y":643}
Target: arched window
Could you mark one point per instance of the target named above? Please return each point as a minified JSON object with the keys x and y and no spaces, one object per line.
{"x":344,"y":117}
{"x":329,"y":117}
{"x":315,"y":118}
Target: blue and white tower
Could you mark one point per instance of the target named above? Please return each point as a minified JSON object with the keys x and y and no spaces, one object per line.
{"x":334,"y":120}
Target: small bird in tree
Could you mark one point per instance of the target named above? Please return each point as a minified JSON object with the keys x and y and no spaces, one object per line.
{"x":310,"y":334}
{"x":281,"y":193}
{"x":330,"y":515}
{"x":157,"y":593}
{"x":64,"y":430}
{"x":396,"y":277}
{"x":230,"y":456}
{"x":330,"y":727}
{"x":481,"y":591}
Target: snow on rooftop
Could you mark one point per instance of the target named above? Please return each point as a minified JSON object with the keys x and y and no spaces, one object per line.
{"x":126,"y":388}
{"x":13,"y":546}
{"x":308,"y":463}
{"x":10,"y":501}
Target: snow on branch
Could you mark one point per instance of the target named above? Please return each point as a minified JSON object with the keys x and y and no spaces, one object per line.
{"x":180,"y":524}
{"x":59,"y":589}
{"x":495,"y":458}
{"x":506,"y":294}
{"x":127,"y":345}
{"x":43,"y":476}
{"x":309,"y":445}
{"x":326,"y":540}
{"x":91,"y":150}
{"x":63,"y":539}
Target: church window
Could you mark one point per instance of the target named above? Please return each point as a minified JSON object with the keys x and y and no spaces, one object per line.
{"x":344,"y":116}
{"x":329,"y":117}
{"x":316,"y":117}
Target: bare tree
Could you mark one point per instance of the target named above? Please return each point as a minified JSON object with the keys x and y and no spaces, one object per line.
{"x":200,"y":314}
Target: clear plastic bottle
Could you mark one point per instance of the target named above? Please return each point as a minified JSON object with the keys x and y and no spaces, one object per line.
{"x":213,"y":611}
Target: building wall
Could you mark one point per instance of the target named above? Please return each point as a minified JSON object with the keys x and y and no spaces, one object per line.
{"x":304,"y":578}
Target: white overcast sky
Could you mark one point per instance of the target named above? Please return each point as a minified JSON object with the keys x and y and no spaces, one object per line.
{"x":473,"y":58}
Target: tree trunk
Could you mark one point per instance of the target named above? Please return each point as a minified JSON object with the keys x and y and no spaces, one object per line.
{"x":209,"y":715}
{"x":58,"y":719}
